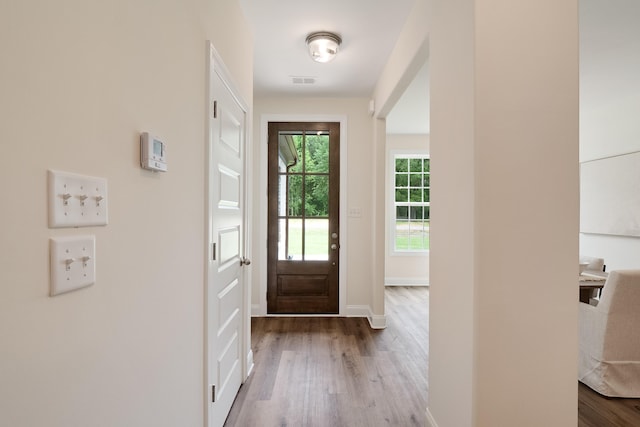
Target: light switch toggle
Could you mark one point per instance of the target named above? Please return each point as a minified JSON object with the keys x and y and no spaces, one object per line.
{"x":68,"y":263}
{"x":72,"y":263}
{"x":76,"y":200}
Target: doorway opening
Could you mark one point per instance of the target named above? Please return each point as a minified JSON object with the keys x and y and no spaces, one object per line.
{"x":408,"y":186}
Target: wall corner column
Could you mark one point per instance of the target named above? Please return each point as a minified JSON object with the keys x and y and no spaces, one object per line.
{"x":504,"y":202}
{"x":378,"y":223}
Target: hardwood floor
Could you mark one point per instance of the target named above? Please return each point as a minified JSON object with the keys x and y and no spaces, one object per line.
{"x":595,"y":410}
{"x":334,"y":372}
{"x":338,"y":371}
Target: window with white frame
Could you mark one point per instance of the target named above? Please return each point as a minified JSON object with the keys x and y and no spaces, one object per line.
{"x":411,"y":203}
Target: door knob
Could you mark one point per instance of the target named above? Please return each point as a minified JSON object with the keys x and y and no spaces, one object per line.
{"x":244,"y":261}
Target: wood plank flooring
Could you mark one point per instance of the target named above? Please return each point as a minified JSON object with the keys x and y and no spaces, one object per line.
{"x":338,"y":371}
{"x":595,"y":410}
{"x":335,"y":372}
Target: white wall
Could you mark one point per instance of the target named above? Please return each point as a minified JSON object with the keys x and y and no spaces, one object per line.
{"x":79,"y":80}
{"x":359,"y":190}
{"x":403,"y":268}
{"x":609,"y":98}
{"x":504,"y":152}
{"x":407,"y":58}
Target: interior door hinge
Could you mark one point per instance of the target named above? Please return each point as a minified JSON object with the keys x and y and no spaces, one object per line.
{"x":215,"y":109}
{"x":213,"y":393}
{"x":213,"y":251}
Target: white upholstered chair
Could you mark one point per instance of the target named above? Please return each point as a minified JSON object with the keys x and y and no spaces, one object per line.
{"x":589,"y":264}
{"x":609,"y":337}
{"x":593,"y":263}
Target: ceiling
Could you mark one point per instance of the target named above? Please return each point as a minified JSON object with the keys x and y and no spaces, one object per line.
{"x":369,"y":30}
{"x":410,"y":115}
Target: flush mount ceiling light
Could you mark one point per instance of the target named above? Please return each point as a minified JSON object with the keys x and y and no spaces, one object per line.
{"x":323,"y":46}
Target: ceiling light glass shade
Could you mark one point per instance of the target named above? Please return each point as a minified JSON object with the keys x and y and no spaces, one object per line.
{"x":323,"y":46}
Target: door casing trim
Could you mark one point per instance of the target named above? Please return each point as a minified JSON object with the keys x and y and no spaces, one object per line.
{"x":263,"y":203}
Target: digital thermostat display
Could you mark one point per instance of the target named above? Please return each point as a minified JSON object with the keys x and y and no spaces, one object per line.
{"x":153,"y":153}
{"x":157,"y":148}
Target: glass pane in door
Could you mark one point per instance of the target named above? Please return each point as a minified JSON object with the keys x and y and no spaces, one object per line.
{"x":294,"y":197}
{"x":317,"y":153}
{"x":295,"y":239}
{"x":303,"y":195}
{"x":316,"y":239}
{"x":316,"y":201}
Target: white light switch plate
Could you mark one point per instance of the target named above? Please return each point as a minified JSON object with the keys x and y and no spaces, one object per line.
{"x":355,"y":212}
{"x":76,"y":200}
{"x":72,"y":263}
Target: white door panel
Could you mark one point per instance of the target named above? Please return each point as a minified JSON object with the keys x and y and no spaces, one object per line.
{"x":226,"y":288}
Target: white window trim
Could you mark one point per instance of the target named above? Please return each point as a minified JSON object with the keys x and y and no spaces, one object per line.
{"x":390,"y":201}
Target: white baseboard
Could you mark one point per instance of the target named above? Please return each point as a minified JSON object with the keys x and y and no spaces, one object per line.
{"x":358,"y":311}
{"x":431,"y":422}
{"x":376,"y":321}
{"x":255,"y":310}
{"x":249,"y":363}
{"x":406,"y":281}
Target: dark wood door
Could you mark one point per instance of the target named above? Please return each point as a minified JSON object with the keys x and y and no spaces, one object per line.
{"x":304,"y":229}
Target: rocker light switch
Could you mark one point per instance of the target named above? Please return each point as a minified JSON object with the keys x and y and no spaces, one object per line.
{"x":73,"y":263}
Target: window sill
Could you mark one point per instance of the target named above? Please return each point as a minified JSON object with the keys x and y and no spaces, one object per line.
{"x":415,"y":254}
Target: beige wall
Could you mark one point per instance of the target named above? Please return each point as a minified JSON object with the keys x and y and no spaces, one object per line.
{"x":359,"y":190}
{"x":504,"y":150}
{"x":403,"y":268}
{"x":79,"y":80}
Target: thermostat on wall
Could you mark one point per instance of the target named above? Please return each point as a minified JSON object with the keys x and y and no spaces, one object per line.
{"x":153,"y":153}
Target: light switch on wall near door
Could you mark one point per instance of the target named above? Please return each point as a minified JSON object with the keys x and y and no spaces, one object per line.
{"x":76,"y":200}
{"x":355,"y":212}
{"x":72,"y":263}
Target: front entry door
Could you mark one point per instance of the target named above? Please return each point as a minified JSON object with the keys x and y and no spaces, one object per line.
{"x":303,"y":218}
{"x":226,"y":241}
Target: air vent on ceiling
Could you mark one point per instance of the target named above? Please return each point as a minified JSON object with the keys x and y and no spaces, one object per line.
{"x":303,"y":80}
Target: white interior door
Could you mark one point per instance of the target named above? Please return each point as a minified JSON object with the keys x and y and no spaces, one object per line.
{"x":226,"y":291}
